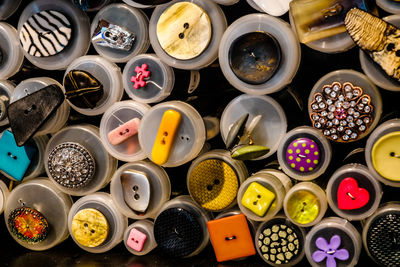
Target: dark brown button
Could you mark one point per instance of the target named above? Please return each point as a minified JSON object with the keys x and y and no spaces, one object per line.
{"x":254,"y":57}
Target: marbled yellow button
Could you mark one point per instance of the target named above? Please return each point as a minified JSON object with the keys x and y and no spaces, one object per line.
{"x":184,"y":30}
{"x":385,"y":156}
{"x":258,"y":199}
{"x":303,"y":207}
{"x":90,"y":227}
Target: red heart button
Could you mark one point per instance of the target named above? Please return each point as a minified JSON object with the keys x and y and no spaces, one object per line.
{"x":350,"y":196}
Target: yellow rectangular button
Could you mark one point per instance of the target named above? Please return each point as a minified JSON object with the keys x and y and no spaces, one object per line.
{"x":165,"y":136}
{"x":258,"y":199}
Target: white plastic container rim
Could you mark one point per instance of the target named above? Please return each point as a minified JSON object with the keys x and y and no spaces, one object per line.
{"x":3,"y":196}
{"x":137,"y":5}
{"x":14,"y":56}
{"x":8,"y":88}
{"x":389,"y":6}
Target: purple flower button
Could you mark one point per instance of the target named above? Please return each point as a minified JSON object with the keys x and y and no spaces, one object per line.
{"x":303,"y":155}
{"x":329,"y":251}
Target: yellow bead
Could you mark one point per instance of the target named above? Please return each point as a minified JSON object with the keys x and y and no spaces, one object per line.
{"x":303,"y":207}
{"x":258,"y":199}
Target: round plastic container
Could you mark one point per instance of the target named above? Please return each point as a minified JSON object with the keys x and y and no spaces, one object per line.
{"x":36,"y":167}
{"x":214,"y":178}
{"x":89,"y":6}
{"x":342,"y":230}
{"x":129,"y":18}
{"x":117,"y":115}
{"x":277,"y":8}
{"x":160,"y":189}
{"x":270,"y":130}
{"x":3,"y":196}
{"x":145,"y":227}
{"x":159,"y":84}
{"x":210,"y":54}
{"x":380,"y":233}
{"x":108,"y":74}
{"x":13,"y":56}
{"x":374,"y":71}
{"x":87,"y":136}
{"x":187,"y":223}
{"x":53,"y":204}
{"x":380,"y":132}
{"x":137,"y":5}
{"x":117,"y":223}
{"x":8,"y":7}
{"x":275,"y":184}
{"x":58,"y":119}
{"x":357,"y":79}
{"x":315,"y":143}
{"x":189,"y":138}
{"x":286,"y":39}
{"x":289,"y":236}
{"x":226,"y":2}
{"x":80,"y":39}
{"x":305,"y":204}
{"x":335,"y":44}
{"x":341,"y":191}
{"x":389,"y":6}
{"x":6,"y":92}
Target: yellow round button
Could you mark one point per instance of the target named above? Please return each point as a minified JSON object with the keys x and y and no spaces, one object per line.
{"x":184,"y":30}
{"x":90,"y":227}
{"x":385,"y":156}
{"x":213,"y":184}
{"x":303,"y":207}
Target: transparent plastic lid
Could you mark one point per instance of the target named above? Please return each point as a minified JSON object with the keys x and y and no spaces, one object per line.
{"x":36,"y":167}
{"x":157,"y":86}
{"x":53,"y":204}
{"x":79,"y":42}
{"x":6,"y":92}
{"x":130,"y":19}
{"x":189,"y":137}
{"x":135,"y":4}
{"x":276,"y":8}
{"x":12,"y":55}
{"x":389,"y":6}
{"x":3,"y":196}
{"x":120,"y":114}
{"x":226,"y":2}
{"x":271,"y":128}
{"x":8,"y":7}
{"x":288,"y":44}
{"x":108,"y":74}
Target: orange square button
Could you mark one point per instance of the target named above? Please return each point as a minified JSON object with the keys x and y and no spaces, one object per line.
{"x":231,"y":238}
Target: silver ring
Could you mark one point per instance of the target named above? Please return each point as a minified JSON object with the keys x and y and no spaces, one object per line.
{"x":71,"y":165}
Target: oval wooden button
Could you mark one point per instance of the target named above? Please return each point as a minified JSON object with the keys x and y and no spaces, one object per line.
{"x":90,"y":227}
{"x":184,"y":30}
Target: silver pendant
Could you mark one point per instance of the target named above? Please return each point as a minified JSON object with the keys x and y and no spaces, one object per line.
{"x":113,"y":36}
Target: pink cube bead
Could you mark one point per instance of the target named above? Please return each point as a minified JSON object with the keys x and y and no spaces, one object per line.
{"x":136,"y":240}
{"x":123,"y":132}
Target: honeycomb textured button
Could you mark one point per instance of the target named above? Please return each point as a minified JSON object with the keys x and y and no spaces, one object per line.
{"x":90,"y":227}
{"x":258,"y":199}
{"x":303,"y":155}
{"x":136,"y":240}
{"x":213,"y":184}
{"x":177,"y":232}
{"x":231,"y":238}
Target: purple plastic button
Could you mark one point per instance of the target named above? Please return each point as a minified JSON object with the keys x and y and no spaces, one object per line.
{"x":330,"y":251}
{"x":303,"y":155}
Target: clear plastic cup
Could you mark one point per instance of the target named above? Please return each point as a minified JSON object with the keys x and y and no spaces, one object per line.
{"x":8,"y":7}
{"x":389,"y":6}
{"x":4,"y":193}
{"x":210,"y":54}
{"x":160,"y":189}
{"x":145,"y":227}
{"x":161,"y":80}
{"x":103,"y":203}
{"x":80,"y":39}
{"x":137,"y":5}
{"x":87,"y":136}
{"x":286,"y":39}
{"x":371,"y":69}
{"x":13,"y":55}
{"x":280,"y":8}
{"x":365,"y":180}
{"x":36,"y":168}
{"x":41,"y":195}
{"x":118,"y":114}
{"x":226,"y":2}
{"x":190,"y":136}
{"x":271,"y":128}
{"x":108,"y":74}
{"x":6,"y":92}
{"x":130,"y":18}
{"x":350,"y":239}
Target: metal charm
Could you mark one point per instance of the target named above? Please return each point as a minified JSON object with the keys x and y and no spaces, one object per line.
{"x":136,"y":189}
{"x":71,"y":165}
{"x":113,"y":36}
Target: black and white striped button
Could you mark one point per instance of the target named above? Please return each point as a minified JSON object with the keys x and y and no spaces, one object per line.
{"x":45,"y":34}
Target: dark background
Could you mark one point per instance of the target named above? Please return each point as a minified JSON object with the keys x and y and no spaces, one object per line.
{"x":313,"y":66}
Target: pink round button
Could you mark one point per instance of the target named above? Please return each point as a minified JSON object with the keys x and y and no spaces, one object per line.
{"x":303,"y":155}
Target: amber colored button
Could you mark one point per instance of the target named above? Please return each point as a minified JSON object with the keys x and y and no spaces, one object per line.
{"x":258,"y":199}
{"x":385,"y":156}
{"x":184,"y":30}
{"x":231,"y":238}
{"x":303,"y":207}
{"x":90,"y":227}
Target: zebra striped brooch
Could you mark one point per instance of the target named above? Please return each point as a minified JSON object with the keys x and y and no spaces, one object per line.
{"x":45,"y":34}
